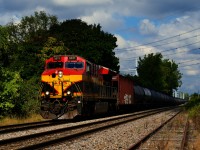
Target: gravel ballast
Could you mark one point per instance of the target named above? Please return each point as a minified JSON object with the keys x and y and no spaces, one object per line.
{"x":119,"y":137}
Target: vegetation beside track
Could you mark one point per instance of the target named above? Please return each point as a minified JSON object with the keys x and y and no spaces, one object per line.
{"x":10,"y":121}
{"x":193,"y":108}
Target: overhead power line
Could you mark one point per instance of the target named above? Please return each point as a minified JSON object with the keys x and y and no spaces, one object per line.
{"x":159,"y":45}
{"x":130,"y":58}
{"x":182,"y":51}
{"x":187,"y":61}
{"x":159,"y":40}
{"x":189,"y":65}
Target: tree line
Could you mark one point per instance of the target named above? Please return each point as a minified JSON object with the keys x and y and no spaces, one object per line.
{"x":158,"y":73}
{"x":24,"y":47}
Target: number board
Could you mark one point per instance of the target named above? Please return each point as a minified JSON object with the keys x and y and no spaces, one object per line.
{"x":56,"y":58}
{"x":72,"y":57}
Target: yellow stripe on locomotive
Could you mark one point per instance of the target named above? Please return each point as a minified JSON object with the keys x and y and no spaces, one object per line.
{"x":61,"y":84}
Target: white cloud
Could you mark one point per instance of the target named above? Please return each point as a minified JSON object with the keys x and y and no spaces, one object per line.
{"x":40,"y":8}
{"x":192,"y":72}
{"x":128,"y":55}
{"x":80,"y":2}
{"x":182,"y":19}
{"x":105,"y":19}
{"x":6,"y":18}
{"x":147,"y":27}
{"x":121,"y":42}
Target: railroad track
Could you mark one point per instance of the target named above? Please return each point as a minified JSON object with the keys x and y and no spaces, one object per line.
{"x":43,"y":139}
{"x":27,"y":126}
{"x":192,"y":136}
{"x":171,"y":134}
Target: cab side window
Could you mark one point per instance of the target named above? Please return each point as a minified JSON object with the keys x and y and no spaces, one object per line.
{"x":88,"y":68}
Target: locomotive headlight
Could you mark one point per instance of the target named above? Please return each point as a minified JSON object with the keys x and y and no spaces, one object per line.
{"x":68,"y":93}
{"x":60,"y":74}
{"x":47,"y":93}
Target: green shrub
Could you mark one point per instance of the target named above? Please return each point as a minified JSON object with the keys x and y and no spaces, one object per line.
{"x":28,"y":103}
{"x":193,"y":108}
{"x":18,"y":97}
{"x":9,"y":86}
{"x":193,"y":102}
{"x":194,"y":111}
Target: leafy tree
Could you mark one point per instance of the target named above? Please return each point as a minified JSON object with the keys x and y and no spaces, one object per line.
{"x":172,"y":76}
{"x":9,"y":85}
{"x":88,"y":41}
{"x":187,"y":96}
{"x":29,"y":36}
{"x":150,"y":71}
{"x":19,"y":47}
{"x":52,"y":47}
{"x":18,"y":98}
{"x":193,"y":102}
{"x":159,"y":74}
{"x":28,"y":103}
{"x":4,"y":47}
{"x":32,"y":29}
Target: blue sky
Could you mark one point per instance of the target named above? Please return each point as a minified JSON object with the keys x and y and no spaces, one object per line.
{"x":135,"y":23}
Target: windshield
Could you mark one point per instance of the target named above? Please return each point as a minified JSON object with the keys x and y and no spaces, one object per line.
{"x":52,"y":65}
{"x":78,"y":65}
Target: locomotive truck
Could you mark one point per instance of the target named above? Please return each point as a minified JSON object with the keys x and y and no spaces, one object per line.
{"x":73,"y":86}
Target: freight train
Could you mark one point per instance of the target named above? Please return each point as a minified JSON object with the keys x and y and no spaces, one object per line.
{"x":73,"y":86}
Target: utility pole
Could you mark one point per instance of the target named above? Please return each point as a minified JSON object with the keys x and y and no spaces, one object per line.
{"x":136,"y":65}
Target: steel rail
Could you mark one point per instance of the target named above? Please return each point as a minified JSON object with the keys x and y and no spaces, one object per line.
{"x":27,"y":126}
{"x":183,"y":142}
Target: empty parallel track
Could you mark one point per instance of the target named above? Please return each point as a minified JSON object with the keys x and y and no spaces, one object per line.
{"x":171,"y":134}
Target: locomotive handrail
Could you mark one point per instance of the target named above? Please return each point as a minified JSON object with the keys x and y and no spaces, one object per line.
{"x":107,"y":92}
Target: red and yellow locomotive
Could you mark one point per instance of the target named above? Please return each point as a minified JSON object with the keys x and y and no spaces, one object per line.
{"x":74,"y":86}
